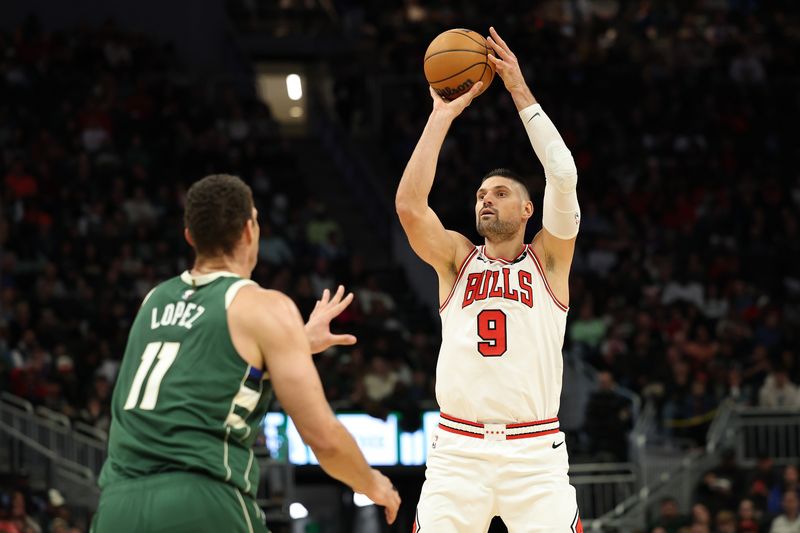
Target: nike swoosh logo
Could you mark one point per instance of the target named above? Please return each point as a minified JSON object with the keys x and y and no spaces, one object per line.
{"x":534,"y":115}
{"x":557,"y":445}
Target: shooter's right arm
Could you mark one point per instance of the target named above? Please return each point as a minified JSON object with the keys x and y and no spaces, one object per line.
{"x":434,"y":244}
{"x":426,"y":234}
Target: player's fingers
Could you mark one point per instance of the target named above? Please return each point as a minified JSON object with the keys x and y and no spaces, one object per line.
{"x":326,"y":295}
{"x":499,"y":50}
{"x":341,"y":306}
{"x":499,"y":40}
{"x":338,"y":295}
{"x":344,"y":340}
{"x":500,"y":67}
{"x":395,"y":505}
{"x":472,"y":93}
{"x":435,"y":96}
{"x":391,"y":513}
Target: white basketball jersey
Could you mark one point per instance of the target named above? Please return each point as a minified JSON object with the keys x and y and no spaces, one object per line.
{"x":502,"y":335}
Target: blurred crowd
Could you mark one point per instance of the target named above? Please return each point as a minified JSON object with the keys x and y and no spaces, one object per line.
{"x":101,"y":132}
{"x":23,"y":510}
{"x":732,"y":499}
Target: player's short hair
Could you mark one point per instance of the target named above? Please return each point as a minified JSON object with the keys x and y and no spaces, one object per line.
{"x":510,"y":174}
{"x":217,"y":210}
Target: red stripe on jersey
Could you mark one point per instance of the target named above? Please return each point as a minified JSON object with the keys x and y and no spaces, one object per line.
{"x":544,"y":278}
{"x":532,"y":434}
{"x":458,"y":431}
{"x":532,"y":424}
{"x":466,"y":422}
{"x":458,"y":277}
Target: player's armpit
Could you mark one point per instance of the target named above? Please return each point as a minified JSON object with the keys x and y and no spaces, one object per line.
{"x":555,"y":257}
{"x":558,"y":252}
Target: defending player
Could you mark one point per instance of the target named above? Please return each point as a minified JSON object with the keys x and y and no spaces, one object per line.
{"x":498,"y":449}
{"x":204,"y":353}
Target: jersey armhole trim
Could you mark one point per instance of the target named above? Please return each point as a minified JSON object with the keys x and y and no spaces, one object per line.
{"x":461,"y":270}
{"x":234,"y":289}
{"x":147,"y":297}
{"x":561,"y":306}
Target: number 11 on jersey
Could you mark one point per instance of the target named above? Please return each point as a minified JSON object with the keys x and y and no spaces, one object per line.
{"x":166,"y":353}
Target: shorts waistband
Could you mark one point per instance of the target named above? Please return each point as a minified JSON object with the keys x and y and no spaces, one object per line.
{"x":155,"y":480}
{"x":518,"y":430}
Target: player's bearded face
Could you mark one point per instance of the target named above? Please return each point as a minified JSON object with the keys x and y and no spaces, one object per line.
{"x":494,"y":226}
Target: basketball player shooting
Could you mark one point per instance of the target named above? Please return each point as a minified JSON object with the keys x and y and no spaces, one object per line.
{"x":498,"y":449}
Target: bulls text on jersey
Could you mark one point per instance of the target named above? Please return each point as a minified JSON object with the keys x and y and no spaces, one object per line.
{"x":515,"y":286}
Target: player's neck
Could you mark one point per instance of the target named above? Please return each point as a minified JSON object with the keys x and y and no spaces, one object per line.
{"x":508,"y":250}
{"x":208,"y":265}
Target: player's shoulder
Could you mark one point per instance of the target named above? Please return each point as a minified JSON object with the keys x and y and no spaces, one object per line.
{"x":256,"y":306}
{"x":464,"y":248}
{"x":253,"y":295}
{"x":161,"y":287}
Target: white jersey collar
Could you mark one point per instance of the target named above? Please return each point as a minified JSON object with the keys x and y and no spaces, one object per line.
{"x":205,"y":279}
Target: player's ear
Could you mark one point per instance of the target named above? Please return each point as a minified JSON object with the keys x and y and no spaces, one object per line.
{"x":527,"y":210}
{"x":188,"y":237}
{"x":249,"y":233}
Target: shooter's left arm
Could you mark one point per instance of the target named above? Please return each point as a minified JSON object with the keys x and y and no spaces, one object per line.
{"x":560,"y":210}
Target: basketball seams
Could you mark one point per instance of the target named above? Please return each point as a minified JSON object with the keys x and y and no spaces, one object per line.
{"x":453,"y":83}
{"x":482,"y":48}
{"x":484,"y":67}
{"x":461,"y":72}
{"x":453,"y":50}
{"x":463,"y":32}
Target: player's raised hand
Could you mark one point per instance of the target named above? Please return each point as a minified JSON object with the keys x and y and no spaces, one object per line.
{"x":383,"y":493}
{"x":318,"y":327}
{"x":453,"y":108}
{"x":505,"y":62}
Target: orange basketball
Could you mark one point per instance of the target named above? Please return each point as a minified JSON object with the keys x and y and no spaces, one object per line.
{"x":456,"y":60}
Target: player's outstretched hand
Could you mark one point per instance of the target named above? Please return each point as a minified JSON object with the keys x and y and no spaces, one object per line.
{"x":385,"y":494}
{"x":505,"y":62}
{"x":454,"y":108}
{"x":318,"y":327}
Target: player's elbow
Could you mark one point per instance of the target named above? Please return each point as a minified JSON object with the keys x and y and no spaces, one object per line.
{"x":560,"y":167}
{"x":407,"y":209}
{"x":324,"y":446}
{"x":323,"y":440}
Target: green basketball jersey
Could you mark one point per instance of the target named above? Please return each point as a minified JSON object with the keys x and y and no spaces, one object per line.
{"x":184,"y":399}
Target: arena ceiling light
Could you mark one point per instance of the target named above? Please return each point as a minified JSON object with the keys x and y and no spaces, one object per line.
{"x":283,"y":86}
{"x":294,"y":87}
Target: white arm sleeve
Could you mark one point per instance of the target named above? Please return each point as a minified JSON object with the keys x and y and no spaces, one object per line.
{"x":561,"y":214}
